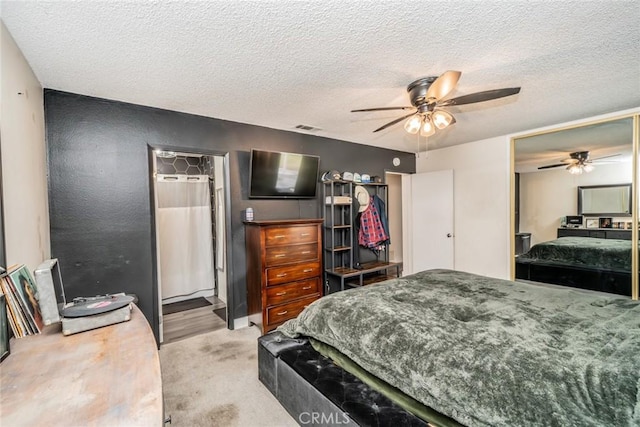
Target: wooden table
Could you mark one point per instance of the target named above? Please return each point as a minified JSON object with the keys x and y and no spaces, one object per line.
{"x":104,"y":377}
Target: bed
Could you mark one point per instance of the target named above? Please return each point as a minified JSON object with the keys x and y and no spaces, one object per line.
{"x":583,"y":262}
{"x":458,"y":349}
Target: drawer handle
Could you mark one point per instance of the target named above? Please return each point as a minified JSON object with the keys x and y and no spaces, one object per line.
{"x":281,"y":293}
{"x":306,"y":252}
{"x":281,"y":275}
{"x":279,"y":236}
{"x":280,"y":255}
{"x":306,"y":288}
{"x":282,"y":313}
{"x":307,"y":270}
{"x":304,"y":234}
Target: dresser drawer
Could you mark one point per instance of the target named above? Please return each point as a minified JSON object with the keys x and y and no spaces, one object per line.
{"x":278,"y":255}
{"x":290,"y":273}
{"x":288,"y":235}
{"x":280,"y":313}
{"x":284,"y":293}
{"x":622,"y":235}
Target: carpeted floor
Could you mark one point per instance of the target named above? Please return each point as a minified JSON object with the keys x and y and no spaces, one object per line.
{"x":212,"y":380}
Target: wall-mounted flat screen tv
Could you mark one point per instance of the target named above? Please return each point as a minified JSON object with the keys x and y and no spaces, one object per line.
{"x":279,"y":175}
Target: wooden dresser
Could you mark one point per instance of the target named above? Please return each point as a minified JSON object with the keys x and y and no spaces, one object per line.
{"x":284,"y":268}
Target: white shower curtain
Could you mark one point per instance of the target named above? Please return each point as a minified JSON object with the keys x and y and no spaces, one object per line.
{"x":185,"y":235}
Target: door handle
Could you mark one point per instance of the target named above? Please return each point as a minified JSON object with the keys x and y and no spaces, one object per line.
{"x":448,"y":234}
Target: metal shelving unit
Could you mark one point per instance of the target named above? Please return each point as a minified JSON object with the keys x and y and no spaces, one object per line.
{"x":340,"y":240}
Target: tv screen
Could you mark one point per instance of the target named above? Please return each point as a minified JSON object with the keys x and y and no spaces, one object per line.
{"x":283,"y":175}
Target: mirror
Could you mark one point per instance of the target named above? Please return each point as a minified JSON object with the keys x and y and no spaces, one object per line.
{"x":568,"y":172}
{"x":603,"y":200}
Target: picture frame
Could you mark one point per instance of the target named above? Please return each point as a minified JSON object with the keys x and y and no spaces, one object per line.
{"x":4,"y":329}
{"x":605,"y":222}
{"x":27,"y":292}
{"x":592,"y":223}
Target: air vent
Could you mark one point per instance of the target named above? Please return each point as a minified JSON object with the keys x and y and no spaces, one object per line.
{"x":308,"y":128}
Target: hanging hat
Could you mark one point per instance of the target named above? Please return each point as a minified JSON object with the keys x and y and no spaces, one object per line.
{"x":362,"y":196}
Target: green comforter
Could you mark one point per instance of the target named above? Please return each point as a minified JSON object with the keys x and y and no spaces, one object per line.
{"x":609,"y":254}
{"x":489,"y":352}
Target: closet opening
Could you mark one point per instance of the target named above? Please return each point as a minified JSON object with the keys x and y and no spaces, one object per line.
{"x":190,"y":230}
{"x":394,"y":206}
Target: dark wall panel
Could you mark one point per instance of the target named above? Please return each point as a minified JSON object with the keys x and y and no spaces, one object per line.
{"x":99,"y":187}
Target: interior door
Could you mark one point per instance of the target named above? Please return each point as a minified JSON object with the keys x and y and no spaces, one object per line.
{"x":429,"y":221}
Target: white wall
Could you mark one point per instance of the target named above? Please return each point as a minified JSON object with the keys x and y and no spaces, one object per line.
{"x":221,"y":250}
{"x":481,"y":176}
{"x":548,"y":195}
{"x":24,"y":166}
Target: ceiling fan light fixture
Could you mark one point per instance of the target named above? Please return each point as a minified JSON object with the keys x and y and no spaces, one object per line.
{"x":413,"y":124}
{"x":575,"y":169}
{"x":442,"y":119}
{"x":588,"y":167}
{"x":428,"y":128}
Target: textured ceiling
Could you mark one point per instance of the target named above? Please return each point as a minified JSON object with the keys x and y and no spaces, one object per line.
{"x":283,"y":63}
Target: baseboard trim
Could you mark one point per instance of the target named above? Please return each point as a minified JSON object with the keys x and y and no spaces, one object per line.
{"x":241,"y":322}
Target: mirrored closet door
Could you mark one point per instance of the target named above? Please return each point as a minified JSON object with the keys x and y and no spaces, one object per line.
{"x":575,"y":206}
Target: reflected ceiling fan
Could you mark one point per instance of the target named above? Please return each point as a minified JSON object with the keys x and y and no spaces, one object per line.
{"x":426,"y":96}
{"x":578,"y":162}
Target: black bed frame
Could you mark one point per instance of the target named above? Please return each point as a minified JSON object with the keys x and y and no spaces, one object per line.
{"x":595,"y":279}
{"x":316,"y":392}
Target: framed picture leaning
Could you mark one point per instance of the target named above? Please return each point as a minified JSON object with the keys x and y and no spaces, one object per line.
{"x":4,"y":329}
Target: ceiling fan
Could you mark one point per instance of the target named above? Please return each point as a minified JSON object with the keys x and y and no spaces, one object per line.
{"x":577,"y":162}
{"x":426,"y":96}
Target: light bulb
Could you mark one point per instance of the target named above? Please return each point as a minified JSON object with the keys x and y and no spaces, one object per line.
{"x":427,"y":128}
{"x":588,"y":167}
{"x":575,"y":169}
{"x":413,"y":124}
{"x":442,"y":119}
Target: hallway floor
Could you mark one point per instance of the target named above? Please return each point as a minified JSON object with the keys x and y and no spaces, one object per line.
{"x":190,"y":322}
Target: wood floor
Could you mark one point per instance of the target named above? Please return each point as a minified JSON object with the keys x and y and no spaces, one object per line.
{"x":185,"y":324}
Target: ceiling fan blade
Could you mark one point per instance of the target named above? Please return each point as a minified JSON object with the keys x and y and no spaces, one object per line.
{"x":383,"y":109}
{"x":605,"y":157}
{"x":557,"y":165}
{"x":393,"y":122}
{"x":443,"y":85}
{"x":487,"y":95}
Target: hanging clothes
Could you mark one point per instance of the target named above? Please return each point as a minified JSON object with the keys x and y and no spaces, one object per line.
{"x":374,"y":226}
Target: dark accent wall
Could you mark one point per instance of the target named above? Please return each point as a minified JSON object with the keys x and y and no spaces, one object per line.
{"x":100,"y":194}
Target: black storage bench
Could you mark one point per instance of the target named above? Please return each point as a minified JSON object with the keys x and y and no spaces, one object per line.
{"x":317,"y":392}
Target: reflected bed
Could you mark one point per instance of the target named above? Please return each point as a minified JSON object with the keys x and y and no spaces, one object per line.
{"x":582,"y":262}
